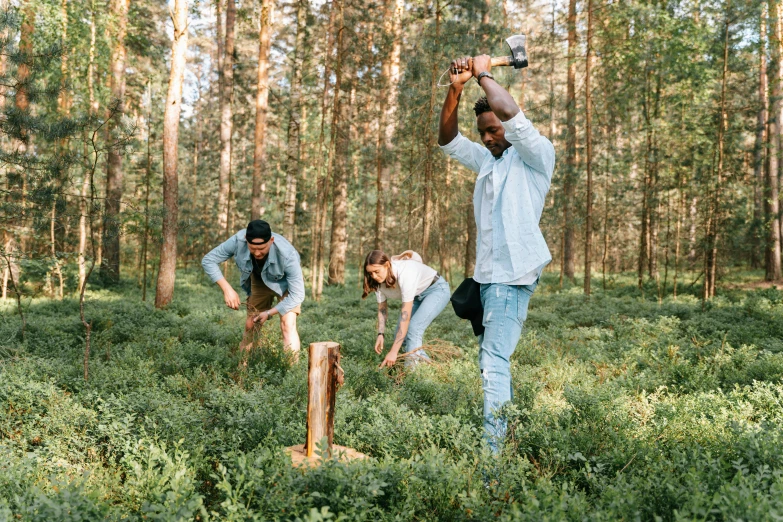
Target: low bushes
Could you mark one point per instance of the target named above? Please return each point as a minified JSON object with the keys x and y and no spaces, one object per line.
{"x":624,"y":409}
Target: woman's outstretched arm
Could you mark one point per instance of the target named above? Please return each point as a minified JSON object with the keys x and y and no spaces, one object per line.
{"x":402,"y":331}
{"x":383,"y":315}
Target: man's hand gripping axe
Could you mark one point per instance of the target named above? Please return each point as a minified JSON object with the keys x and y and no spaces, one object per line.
{"x":518,"y":57}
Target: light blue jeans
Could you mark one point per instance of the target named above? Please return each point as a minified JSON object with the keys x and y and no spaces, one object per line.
{"x":426,"y":307}
{"x":505,"y":311}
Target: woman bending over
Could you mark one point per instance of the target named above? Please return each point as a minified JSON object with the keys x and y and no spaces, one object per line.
{"x":423,"y":292}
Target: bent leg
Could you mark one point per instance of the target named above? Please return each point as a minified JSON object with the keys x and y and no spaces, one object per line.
{"x":290,"y":333}
{"x":261,"y":298}
{"x":431,"y":303}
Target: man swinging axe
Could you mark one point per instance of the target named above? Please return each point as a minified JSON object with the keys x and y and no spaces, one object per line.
{"x":514,"y":168}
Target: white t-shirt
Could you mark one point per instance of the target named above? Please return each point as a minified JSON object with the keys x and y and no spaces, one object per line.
{"x":413,"y":277}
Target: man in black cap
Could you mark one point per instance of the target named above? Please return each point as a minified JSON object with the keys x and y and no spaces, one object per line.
{"x":270,"y":269}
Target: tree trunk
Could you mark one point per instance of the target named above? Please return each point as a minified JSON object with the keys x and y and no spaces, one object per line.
{"x":294,"y":122}
{"x":680,"y":212}
{"x":605,"y":254}
{"x":693,"y":214}
{"x":22,"y":103}
{"x":7,"y":237}
{"x":662,"y":288}
{"x":338,"y":160}
{"x":443,"y":213}
{"x":63,"y":106}
{"x":646,"y":217}
{"x":110,"y":257}
{"x":338,"y":244}
{"x":655,"y":204}
{"x":710,"y":272}
{"x":322,"y":182}
{"x":757,"y":229}
{"x":569,"y":179}
{"x":262,"y":104}
{"x":554,"y":41}
{"x":773,"y":271}
{"x":390,"y":73}
{"x":226,"y":124}
{"x":589,"y":151}
{"x":168,"y":247}
{"x":93,"y":109}
{"x":428,"y":206}
{"x":147,"y":177}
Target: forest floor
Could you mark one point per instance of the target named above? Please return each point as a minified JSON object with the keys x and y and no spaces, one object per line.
{"x":625,"y":409}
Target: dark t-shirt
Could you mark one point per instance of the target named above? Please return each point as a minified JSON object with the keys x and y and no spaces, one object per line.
{"x":258,"y":266}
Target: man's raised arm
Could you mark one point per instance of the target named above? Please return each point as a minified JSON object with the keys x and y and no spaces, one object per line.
{"x":532,"y":147}
{"x":500,"y":101}
{"x":452,"y":143}
{"x":449,"y":117}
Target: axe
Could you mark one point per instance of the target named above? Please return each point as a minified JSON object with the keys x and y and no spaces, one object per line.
{"x":518,"y":57}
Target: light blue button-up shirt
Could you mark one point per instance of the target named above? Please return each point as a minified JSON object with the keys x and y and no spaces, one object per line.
{"x":282,"y":271}
{"x":508,"y":201}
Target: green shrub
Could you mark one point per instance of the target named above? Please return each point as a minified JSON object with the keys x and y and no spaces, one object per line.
{"x":624,"y":409}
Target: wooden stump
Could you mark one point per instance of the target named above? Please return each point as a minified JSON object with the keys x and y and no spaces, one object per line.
{"x":324,"y":377}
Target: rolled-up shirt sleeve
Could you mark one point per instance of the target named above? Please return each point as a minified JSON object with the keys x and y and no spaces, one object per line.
{"x":217,"y":255}
{"x":296,"y":287}
{"x":534,"y":149}
{"x":468,"y":153}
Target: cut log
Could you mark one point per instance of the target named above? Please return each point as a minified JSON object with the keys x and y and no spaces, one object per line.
{"x":323,"y":375}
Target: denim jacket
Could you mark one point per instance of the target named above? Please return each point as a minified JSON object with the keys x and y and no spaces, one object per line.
{"x":508,"y":201}
{"x":282,"y":271}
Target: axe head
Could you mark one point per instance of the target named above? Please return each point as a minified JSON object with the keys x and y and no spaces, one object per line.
{"x":516,"y":44}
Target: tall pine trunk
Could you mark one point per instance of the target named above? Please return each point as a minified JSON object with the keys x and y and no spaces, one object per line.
{"x":110,"y":262}
{"x":589,"y":151}
{"x":22,"y":103}
{"x":257,"y":201}
{"x":772,"y":204}
{"x":569,"y":180}
{"x":429,"y":167}
{"x":92,"y":109}
{"x":293,"y":151}
{"x":322,"y":183}
{"x":647,"y":220}
{"x":390,"y":73}
{"x":168,"y":246}
{"x":714,"y":223}
{"x":444,"y":209}
{"x":340,"y":160}
{"x":64,"y":108}
{"x":680,"y":213}
{"x":226,"y":124}
{"x":147,"y":177}
{"x":757,"y":229}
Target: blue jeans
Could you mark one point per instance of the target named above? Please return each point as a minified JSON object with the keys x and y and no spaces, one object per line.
{"x":426,"y":307}
{"x":505,"y":311}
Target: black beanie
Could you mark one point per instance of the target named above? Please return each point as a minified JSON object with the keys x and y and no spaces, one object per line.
{"x":258,"y":229}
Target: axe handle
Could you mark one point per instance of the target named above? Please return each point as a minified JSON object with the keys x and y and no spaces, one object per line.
{"x":502,"y":60}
